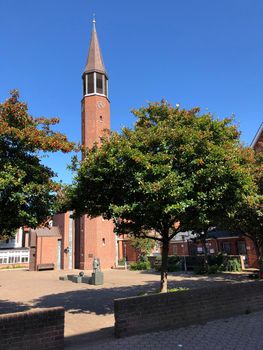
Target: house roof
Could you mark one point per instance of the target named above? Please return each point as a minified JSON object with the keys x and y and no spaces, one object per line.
{"x":257,"y":142}
{"x":47,"y":232}
{"x":215,"y":233}
{"x":183,"y":236}
{"x":95,"y":60}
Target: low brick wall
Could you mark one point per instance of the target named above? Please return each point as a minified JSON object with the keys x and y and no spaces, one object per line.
{"x":173,"y":310}
{"x":35,"y":329}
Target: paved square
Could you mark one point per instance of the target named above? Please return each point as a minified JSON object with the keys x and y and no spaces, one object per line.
{"x":89,"y":309}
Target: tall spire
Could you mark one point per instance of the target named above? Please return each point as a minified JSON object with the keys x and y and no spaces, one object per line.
{"x":94,"y":22}
{"x":95,"y":60}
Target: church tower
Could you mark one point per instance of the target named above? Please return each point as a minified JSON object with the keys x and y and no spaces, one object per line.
{"x":94,"y":237}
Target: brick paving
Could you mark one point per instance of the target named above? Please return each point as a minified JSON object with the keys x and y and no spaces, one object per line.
{"x":89,"y":309}
{"x":243,"y":332}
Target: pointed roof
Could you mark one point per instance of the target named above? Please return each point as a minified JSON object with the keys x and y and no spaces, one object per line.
{"x":95,"y":60}
{"x":257,"y":142}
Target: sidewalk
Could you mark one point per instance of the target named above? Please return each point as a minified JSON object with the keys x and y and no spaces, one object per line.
{"x":243,"y":332}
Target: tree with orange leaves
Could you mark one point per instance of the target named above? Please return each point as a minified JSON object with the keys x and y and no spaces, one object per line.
{"x":27,"y":190}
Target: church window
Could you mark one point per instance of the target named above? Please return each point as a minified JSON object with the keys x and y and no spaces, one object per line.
{"x":101,"y":118}
{"x":103,"y":241}
{"x":99,"y":83}
{"x":90,"y":83}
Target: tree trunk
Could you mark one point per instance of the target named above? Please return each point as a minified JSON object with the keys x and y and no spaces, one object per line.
{"x":165,"y":250}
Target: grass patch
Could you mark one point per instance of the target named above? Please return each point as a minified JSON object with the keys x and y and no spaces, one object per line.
{"x":157,"y":291}
{"x":11,"y":267}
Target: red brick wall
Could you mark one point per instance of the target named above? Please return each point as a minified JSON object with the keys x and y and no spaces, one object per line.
{"x":251,"y":253}
{"x":178,"y":248}
{"x":47,"y":250}
{"x":63,"y":221}
{"x":36,"y":329}
{"x":95,"y":237}
{"x":174,"y":310}
{"x":92,"y":125}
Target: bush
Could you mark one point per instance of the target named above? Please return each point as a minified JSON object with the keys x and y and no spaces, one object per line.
{"x":200,"y":270}
{"x":174,"y":263}
{"x":140,"y":265}
{"x":233,"y":265}
{"x":121,"y":262}
{"x":157,"y":263}
{"x":213,"y":269}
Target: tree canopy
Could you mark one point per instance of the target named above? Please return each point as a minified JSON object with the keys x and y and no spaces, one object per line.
{"x":27,"y":190}
{"x":176,"y":170}
{"x":248,"y":214}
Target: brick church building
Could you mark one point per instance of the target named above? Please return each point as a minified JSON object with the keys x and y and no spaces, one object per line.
{"x":80,"y":241}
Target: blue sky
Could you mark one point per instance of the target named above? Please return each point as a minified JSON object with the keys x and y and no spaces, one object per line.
{"x":196,"y":53}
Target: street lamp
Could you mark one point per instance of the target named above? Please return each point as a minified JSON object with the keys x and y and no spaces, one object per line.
{"x":185,"y":267}
{"x":125,"y":260}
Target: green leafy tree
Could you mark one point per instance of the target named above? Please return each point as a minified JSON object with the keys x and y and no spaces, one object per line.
{"x":143,"y":246}
{"x":225,"y":181}
{"x":248,"y":215}
{"x":27,"y":191}
{"x":152,"y":180}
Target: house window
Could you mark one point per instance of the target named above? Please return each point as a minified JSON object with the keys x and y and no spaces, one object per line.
{"x":241,"y":248}
{"x":226,"y":247}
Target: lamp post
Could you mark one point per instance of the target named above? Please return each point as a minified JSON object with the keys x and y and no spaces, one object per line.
{"x":125,"y":260}
{"x":185,"y":267}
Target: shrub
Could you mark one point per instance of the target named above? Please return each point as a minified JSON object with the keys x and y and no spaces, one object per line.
{"x":158,"y":263}
{"x":200,"y":270}
{"x":140,"y":265}
{"x":213,"y":269}
{"x":233,"y":265}
{"x":174,"y":263}
{"x":121,"y":262}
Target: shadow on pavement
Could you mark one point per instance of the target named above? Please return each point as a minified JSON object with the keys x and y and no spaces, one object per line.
{"x":91,"y":300}
{"x":82,"y":341}
{"x":7,"y":307}
{"x":99,"y":300}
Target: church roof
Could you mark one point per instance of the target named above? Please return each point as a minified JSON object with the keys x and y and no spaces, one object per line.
{"x":257,"y":142}
{"x":95,"y":60}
